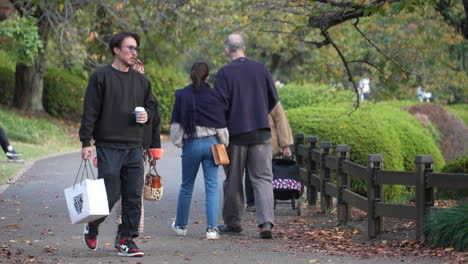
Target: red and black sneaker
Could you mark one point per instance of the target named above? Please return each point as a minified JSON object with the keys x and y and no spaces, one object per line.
{"x":90,"y":236}
{"x":128,"y":248}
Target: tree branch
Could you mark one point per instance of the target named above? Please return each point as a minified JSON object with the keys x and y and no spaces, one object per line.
{"x":390,"y":58}
{"x":368,"y":63}
{"x":345,"y":63}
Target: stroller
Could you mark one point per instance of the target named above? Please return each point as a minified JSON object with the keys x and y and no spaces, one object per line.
{"x":286,"y":181}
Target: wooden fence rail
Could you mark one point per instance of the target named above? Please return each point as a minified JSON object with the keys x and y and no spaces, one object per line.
{"x":317,"y":165}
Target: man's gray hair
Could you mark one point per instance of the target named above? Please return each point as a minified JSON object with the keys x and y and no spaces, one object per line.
{"x":234,"y":42}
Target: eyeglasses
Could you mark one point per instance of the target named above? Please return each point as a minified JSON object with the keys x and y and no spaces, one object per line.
{"x":132,"y":49}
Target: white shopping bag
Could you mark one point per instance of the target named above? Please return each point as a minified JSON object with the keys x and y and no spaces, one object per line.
{"x":86,"y":200}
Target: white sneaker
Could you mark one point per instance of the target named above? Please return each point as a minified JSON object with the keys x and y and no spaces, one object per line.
{"x":212,"y":233}
{"x":181,"y":231}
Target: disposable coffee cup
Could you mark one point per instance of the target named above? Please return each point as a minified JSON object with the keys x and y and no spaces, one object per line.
{"x":139,"y":110}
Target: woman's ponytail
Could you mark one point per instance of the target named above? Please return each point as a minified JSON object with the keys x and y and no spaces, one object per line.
{"x":198,"y":74}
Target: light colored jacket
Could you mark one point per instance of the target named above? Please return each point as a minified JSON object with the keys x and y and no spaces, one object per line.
{"x":178,"y":135}
{"x":281,"y":135}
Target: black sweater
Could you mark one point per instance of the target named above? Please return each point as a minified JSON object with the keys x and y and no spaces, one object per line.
{"x":109,"y":103}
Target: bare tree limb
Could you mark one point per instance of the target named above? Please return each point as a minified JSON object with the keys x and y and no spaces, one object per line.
{"x":345,"y":63}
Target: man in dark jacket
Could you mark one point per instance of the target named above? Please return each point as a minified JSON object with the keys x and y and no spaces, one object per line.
{"x":112,"y":94}
{"x":250,"y":95}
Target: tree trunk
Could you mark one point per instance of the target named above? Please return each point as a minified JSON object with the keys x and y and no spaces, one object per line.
{"x":29,"y":79}
{"x":29,"y":85}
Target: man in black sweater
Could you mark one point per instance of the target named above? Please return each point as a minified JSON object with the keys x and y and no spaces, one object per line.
{"x":108,"y":117}
{"x":250,"y":95}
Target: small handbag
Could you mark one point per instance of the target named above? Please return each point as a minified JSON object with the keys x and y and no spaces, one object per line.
{"x":220,"y":155}
{"x":153,"y":189}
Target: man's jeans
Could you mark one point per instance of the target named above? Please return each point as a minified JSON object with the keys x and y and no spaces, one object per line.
{"x":122,"y":171}
{"x":194,"y":152}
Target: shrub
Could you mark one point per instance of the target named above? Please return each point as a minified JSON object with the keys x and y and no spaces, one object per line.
{"x":7,"y":78}
{"x":164,"y":81}
{"x":7,"y":85}
{"x":372,"y":129}
{"x":449,"y":227}
{"x":459,"y":165}
{"x":64,"y":93}
{"x":296,"y":95}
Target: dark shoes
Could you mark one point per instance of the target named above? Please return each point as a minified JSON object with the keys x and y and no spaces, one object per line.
{"x":90,"y":236}
{"x":229,"y":230}
{"x":250,"y":208}
{"x":13,"y":154}
{"x":128,"y":248}
{"x":265,"y":230}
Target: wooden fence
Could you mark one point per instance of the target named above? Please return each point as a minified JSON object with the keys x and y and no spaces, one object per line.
{"x":317,"y":164}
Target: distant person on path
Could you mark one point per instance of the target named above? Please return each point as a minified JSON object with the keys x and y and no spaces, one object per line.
{"x":281,"y":139}
{"x":198,"y":121}
{"x":7,"y":148}
{"x":112,"y":95}
{"x":249,"y":94}
{"x":151,"y":139}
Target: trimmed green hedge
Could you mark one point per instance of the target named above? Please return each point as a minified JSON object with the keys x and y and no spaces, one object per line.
{"x":64,"y":93}
{"x":164,"y":82}
{"x":373,"y":129}
{"x":296,"y":95}
{"x":459,"y":165}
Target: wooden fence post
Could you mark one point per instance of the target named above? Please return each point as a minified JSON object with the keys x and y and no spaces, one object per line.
{"x":298,"y":140}
{"x":374,"y":195}
{"x":342,"y":182}
{"x":325,"y":200}
{"x":424,"y":195}
{"x":312,"y":169}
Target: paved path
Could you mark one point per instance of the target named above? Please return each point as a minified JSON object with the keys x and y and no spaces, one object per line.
{"x":35,"y":225}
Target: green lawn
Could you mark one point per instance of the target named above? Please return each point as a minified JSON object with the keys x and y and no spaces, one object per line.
{"x":34,"y":137}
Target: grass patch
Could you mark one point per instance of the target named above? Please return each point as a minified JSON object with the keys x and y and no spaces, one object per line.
{"x":460,"y":110}
{"x":449,"y":227}
{"x":34,"y":137}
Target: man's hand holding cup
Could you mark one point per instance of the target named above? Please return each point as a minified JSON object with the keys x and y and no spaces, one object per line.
{"x":141,"y":115}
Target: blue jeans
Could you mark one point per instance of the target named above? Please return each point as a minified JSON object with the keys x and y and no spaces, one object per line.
{"x":194,"y":152}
